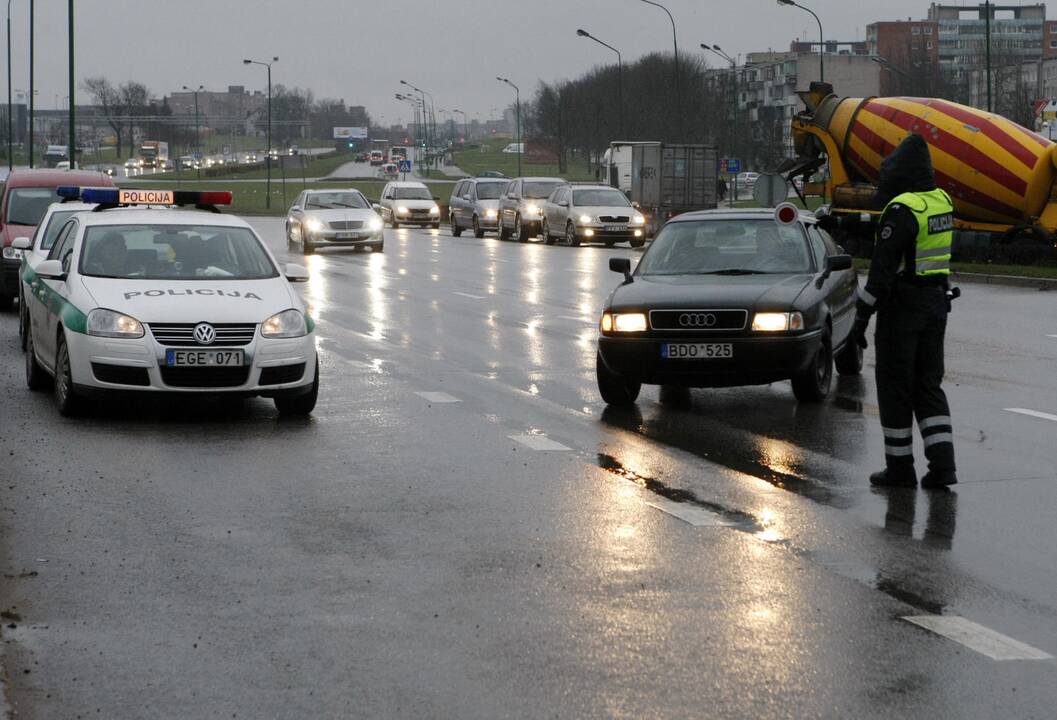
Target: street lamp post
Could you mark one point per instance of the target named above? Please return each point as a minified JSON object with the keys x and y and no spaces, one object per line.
{"x":620,"y":78}
{"x":465,"y":126}
{"x":987,"y":48}
{"x":198,"y":132}
{"x":821,"y":40}
{"x":430,"y":121}
{"x":10,"y":126}
{"x":268,"y":161}
{"x":517,"y":100}
{"x":716,"y":49}
{"x":675,"y":47}
{"x":73,"y":88}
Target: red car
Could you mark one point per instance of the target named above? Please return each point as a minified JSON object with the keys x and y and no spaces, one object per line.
{"x":26,"y":197}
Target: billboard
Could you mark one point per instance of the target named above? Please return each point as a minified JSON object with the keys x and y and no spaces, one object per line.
{"x":350,"y":133}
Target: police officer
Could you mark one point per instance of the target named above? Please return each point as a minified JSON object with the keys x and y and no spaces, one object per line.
{"x":907,"y":287}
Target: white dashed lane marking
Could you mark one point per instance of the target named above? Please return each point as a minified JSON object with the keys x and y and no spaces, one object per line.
{"x":539,"y":442}
{"x":696,"y":516}
{"x":976,"y":637}
{"x":1032,"y":413}
{"x":437,"y":397}
{"x":468,"y":295}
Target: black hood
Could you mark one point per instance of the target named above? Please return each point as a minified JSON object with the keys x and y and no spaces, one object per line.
{"x":907,"y":169}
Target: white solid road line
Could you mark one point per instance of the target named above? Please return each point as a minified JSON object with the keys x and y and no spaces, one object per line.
{"x":1032,"y":413}
{"x":437,"y":397}
{"x":539,"y":442}
{"x":468,"y":295}
{"x":696,"y":516}
{"x":976,"y":637}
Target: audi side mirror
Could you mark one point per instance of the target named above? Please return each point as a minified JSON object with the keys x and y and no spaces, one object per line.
{"x":295,"y":273}
{"x":51,"y":270}
{"x":21,"y":243}
{"x":621,"y":265}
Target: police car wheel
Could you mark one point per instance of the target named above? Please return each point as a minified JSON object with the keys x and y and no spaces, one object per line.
{"x":66,"y":398}
{"x":456,"y":231}
{"x":615,"y":389}
{"x":36,"y":377}
{"x":812,"y":384}
{"x":478,"y":231}
{"x":299,"y":405}
{"x":849,"y":360}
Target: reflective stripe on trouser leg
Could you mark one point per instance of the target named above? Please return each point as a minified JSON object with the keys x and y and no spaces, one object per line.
{"x":930,"y":402}
{"x":938,"y":439}
{"x":899,"y":445}
{"x":896,"y":345}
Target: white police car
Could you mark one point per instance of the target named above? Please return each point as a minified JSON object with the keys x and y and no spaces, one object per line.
{"x":166,"y":300}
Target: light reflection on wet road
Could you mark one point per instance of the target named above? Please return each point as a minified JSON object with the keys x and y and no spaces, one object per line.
{"x":437,"y":568}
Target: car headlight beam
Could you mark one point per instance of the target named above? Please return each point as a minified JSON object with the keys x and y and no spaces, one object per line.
{"x":287,"y":324}
{"x":434,"y":210}
{"x":623,"y":322}
{"x":375,"y":224}
{"x":777,"y":321}
{"x":401,"y":210}
{"x":314,"y":224}
{"x":585,"y":219}
{"x":638,"y":220}
{"x":109,"y":323}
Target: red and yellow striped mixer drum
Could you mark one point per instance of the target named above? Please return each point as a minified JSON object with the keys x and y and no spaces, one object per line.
{"x":994,"y":170}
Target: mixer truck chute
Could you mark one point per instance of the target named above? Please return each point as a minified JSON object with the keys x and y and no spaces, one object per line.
{"x":1000,"y":176}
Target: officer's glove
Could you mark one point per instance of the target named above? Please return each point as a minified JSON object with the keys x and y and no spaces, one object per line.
{"x":858,"y":331}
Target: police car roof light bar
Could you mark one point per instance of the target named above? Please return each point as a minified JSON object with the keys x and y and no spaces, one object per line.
{"x":108,"y":198}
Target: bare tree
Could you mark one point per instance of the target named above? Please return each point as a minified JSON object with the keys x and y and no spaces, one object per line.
{"x":135,"y":98}
{"x":109,"y":100}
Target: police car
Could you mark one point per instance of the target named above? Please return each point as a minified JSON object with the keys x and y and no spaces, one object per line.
{"x":166,"y":300}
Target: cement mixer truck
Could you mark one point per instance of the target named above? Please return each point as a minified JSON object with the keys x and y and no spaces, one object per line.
{"x":1000,"y":176}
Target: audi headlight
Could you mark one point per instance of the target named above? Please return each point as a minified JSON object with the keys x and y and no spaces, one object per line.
{"x":585,"y":219}
{"x":777,"y":322}
{"x":623,"y":322}
{"x":11,"y":253}
{"x":434,"y":210}
{"x":375,"y":224}
{"x":401,"y":210}
{"x":314,"y":225}
{"x":107,"y":323}
{"x":639,"y":220}
{"x":287,"y":324}
{"x":491,"y":213}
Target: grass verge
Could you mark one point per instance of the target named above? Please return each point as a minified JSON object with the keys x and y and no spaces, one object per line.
{"x":490,"y":156}
{"x":314,"y":167}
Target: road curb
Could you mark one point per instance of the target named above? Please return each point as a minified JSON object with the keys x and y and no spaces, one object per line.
{"x":1007,"y":280}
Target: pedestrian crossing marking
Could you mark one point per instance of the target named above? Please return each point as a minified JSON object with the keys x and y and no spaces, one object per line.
{"x":1032,"y":413}
{"x":539,"y":442}
{"x":976,"y":637}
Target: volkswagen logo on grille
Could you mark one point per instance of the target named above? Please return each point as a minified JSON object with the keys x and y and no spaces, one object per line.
{"x":697,"y":320}
{"x":205,"y":334}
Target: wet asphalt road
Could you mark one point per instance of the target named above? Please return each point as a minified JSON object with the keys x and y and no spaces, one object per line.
{"x":409,"y":555}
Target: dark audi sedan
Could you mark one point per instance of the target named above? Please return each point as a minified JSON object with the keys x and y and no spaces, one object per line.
{"x":723,"y":298}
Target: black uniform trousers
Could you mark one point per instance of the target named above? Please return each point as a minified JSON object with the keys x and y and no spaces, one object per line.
{"x":909,"y":339}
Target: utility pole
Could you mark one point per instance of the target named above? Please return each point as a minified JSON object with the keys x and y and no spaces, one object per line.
{"x":268,"y":160}
{"x":987,"y":48}
{"x":31,"y":90}
{"x":73,"y":89}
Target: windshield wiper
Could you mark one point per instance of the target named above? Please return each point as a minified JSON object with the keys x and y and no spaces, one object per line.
{"x":735,"y":271}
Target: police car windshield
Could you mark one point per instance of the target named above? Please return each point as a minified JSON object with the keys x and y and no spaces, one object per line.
{"x":727,"y":247}
{"x":174,"y":252}
{"x":27,"y":205}
{"x":335,"y":200}
{"x":412,"y":193}
{"x":490,"y":191}
{"x":55,"y":223}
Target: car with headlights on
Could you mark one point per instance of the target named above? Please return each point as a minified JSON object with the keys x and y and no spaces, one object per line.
{"x":408,"y":203}
{"x":521,"y":206}
{"x":731,"y":297}
{"x":474,"y":204}
{"x":166,"y":301}
{"x":592,"y":213}
{"x":333,"y":218}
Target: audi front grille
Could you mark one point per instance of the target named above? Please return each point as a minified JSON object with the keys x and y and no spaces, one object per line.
{"x":182,"y":334}
{"x":699,"y":320}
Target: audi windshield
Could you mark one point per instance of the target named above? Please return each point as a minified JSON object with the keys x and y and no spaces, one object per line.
{"x":174,"y":252}
{"x":727,"y":247}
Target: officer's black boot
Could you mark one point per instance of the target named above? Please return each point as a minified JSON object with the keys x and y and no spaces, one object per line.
{"x":937,"y":479}
{"x":903,"y":476}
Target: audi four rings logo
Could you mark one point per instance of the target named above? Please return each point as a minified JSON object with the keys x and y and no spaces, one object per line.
{"x":697,"y":320}
{"x":205,"y":334}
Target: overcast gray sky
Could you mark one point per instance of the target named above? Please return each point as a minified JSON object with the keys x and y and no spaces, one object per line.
{"x":359,"y":50}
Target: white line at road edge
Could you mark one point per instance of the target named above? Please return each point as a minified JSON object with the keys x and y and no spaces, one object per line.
{"x":437,"y":397}
{"x":976,"y":637}
{"x":539,"y":442}
{"x":696,"y":516}
{"x":1032,"y":413}
{"x":468,"y":295}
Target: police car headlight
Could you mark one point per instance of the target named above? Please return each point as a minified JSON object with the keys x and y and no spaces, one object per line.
{"x":375,"y":224}
{"x":287,"y":324}
{"x":777,"y":322}
{"x":107,"y":323}
{"x":434,"y":210}
{"x":314,"y":225}
{"x":11,"y":253}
